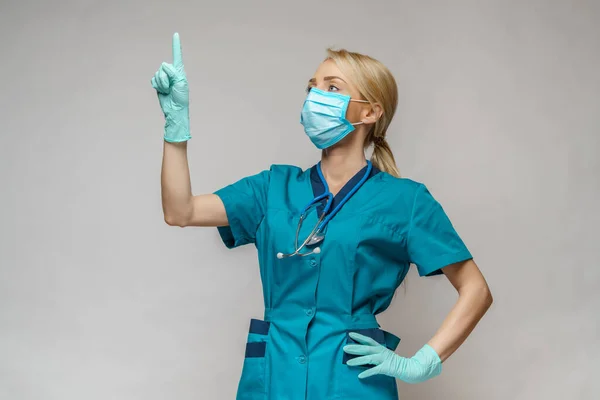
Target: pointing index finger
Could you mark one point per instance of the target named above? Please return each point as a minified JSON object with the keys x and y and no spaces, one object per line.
{"x":177,"y":58}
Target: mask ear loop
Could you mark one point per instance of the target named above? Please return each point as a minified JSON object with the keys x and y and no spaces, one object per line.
{"x":359,"y":101}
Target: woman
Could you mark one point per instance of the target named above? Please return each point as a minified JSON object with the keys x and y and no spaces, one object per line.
{"x":357,"y":228}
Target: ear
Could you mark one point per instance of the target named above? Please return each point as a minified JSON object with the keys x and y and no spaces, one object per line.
{"x":372,"y":114}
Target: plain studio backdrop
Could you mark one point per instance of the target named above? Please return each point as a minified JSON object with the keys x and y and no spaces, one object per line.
{"x":499,"y":115}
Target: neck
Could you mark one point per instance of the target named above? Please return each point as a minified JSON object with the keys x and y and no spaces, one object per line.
{"x":341,"y":163}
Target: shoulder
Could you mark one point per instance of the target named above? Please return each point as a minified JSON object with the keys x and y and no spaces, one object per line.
{"x":285,"y":169}
{"x":285,"y":172}
{"x":401,"y":183}
{"x":403,"y":189}
{"x":274,"y":171}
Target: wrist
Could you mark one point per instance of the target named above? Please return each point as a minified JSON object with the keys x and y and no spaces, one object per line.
{"x":424,"y":365}
{"x":432,"y":355}
{"x":177,"y":126}
{"x":431,"y":361}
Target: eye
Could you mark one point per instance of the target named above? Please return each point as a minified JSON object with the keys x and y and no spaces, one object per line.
{"x":308,"y":89}
{"x":333,"y":88}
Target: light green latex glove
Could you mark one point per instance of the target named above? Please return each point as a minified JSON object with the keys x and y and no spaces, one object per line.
{"x":424,"y":365}
{"x":171,"y":86}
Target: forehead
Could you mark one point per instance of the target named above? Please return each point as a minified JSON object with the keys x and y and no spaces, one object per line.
{"x":328,"y":68}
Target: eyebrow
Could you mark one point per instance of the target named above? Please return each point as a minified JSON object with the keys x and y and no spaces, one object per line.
{"x":327,"y":78}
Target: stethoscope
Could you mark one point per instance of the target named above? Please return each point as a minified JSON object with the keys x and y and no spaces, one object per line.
{"x":317,"y":234}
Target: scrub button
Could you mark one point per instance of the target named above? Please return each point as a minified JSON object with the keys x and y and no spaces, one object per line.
{"x":302,"y":360}
{"x":313,"y":263}
{"x":309,"y":312}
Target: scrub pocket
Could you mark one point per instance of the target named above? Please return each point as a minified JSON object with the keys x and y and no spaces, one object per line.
{"x":252,"y":385}
{"x":381,"y":387}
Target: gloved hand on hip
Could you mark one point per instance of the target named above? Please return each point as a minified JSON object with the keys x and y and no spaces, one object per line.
{"x":171,"y":86}
{"x":424,"y":365}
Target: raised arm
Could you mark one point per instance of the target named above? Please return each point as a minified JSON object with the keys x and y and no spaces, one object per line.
{"x":180,"y":207}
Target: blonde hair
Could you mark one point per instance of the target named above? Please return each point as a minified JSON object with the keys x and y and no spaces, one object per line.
{"x":377,"y":85}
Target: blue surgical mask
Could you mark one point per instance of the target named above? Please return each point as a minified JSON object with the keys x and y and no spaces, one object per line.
{"x":324,"y":117}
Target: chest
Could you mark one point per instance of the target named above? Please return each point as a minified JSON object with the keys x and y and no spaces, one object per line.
{"x":360,"y":253}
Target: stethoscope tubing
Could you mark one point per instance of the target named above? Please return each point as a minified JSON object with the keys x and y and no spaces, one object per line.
{"x":326,"y":216}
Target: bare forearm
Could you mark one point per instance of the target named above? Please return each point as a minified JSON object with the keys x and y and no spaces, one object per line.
{"x":473,"y":302}
{"x":176,"y":188}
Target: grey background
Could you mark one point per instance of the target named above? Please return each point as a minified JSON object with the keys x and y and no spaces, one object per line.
{"x":99,"y":299}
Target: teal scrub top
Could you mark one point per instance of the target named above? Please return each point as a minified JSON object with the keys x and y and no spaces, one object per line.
{"x":311,"y":303}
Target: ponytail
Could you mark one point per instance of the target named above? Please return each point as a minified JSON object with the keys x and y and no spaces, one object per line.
{"x":383,"y":158}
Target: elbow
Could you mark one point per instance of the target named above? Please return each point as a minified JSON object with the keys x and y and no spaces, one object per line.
{"x":480,"y":294}
{"x":487,"y":297}
{"x":175,"y":220}
{"x":178,"y":213}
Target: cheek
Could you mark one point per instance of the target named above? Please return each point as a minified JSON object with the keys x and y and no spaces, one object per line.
{"x":353,"y":113}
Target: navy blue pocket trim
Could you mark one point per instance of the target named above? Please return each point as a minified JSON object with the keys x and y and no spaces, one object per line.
{"x":374,"y":333}
{"x":259,"y":327}
{"x":391,"y":341}
{"x":255,"y":349}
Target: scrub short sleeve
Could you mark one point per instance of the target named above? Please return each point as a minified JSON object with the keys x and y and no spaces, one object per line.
{"x":245,"y":204}
{"x":433,"y":243}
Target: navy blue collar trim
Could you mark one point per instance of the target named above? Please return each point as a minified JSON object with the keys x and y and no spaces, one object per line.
{"x":318,"y":187}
